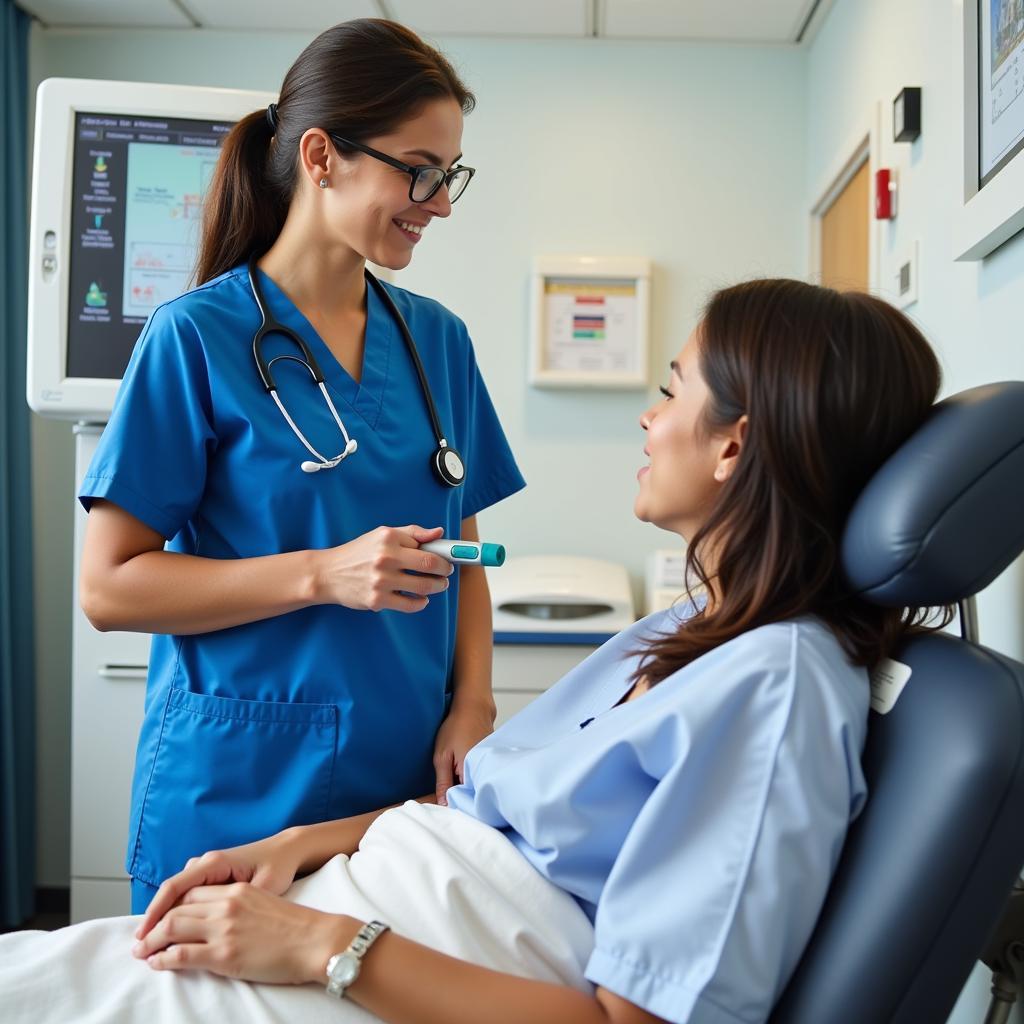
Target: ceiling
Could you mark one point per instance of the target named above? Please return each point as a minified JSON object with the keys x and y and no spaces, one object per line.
{"x":753,"y":21}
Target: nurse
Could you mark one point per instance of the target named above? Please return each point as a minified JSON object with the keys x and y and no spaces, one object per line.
{"x":309,"y":662}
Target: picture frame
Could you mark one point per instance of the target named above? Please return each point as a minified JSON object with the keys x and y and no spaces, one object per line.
{"x":590,"y":322}
{"x":990,"y":181}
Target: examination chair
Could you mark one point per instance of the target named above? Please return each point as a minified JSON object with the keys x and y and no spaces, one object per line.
{"x":928,"y":868}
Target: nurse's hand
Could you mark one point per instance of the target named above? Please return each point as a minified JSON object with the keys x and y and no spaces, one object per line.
{"x":465,"y":726}
{"x":372,"y":572}
{"x":270,"y":864}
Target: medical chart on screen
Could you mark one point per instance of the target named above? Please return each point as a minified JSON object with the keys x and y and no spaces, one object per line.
{"x":163,"y":202}
{"x":1000,"y":81}
{"x":591,"y":326}
{"x":138,"y":184}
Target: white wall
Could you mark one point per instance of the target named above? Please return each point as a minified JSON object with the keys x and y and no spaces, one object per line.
{"x":691,"y":155}
{"x":867,"y":51}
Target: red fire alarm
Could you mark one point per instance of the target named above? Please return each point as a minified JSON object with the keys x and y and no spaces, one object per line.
{"x":885,"y":194}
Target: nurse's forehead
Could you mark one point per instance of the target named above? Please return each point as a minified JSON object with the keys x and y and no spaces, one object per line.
{"x":433,"y":135}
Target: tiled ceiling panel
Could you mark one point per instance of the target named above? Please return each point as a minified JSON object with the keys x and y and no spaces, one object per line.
{"x":108,"y":13}
{"x":291,"y":15}
{"x":776,"y":21}
{"x":766,"y":21}
{"x":490,"y":17}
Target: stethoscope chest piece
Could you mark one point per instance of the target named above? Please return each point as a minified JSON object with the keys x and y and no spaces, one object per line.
{"x":448,"y":466}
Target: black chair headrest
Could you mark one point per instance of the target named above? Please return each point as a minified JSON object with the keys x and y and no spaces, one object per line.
{"x":945,"y":514}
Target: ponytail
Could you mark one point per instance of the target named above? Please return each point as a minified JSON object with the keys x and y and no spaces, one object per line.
{"x":243,"y":212}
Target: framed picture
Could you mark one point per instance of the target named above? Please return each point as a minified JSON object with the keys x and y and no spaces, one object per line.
{"x":989,"y":88}
{"x":590,"y":322}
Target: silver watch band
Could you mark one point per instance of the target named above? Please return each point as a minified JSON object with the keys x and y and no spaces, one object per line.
{"x":343,"y":968}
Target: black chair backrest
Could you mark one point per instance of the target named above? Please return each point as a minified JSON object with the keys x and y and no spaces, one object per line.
{"x":928,"y":866}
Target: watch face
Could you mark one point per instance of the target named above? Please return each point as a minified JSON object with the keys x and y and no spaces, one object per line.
{"x":346,"y":970}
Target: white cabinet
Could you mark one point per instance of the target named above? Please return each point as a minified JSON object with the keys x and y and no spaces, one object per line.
{"x":522,"y":671}
{"x":100,"y":898}
{"x":108,"y":685}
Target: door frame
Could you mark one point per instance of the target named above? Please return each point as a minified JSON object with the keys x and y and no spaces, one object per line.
{"x":863,"y":146}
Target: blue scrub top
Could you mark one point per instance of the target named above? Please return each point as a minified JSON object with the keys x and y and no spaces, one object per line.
{"x":697,"y":825}
{"x":326,"y":711}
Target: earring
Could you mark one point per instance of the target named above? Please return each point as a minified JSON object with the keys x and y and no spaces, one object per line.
{"x":323,"y":183}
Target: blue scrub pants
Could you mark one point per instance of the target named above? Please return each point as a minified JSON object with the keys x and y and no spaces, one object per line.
{"x":142,"y":896}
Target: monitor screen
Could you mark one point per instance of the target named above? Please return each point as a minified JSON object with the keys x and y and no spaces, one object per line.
{"x":137,"y":189}
{"x":119,"y":171}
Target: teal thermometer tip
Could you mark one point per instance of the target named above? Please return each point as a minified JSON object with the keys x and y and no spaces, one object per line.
{"x":466,"y":552}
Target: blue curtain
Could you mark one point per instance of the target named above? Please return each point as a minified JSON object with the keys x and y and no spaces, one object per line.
{"x":17,"y":675}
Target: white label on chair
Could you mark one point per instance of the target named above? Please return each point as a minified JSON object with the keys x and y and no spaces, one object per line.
{"x":887,"y":682}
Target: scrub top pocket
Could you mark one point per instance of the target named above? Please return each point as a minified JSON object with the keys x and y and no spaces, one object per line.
{"x":228,"y":771}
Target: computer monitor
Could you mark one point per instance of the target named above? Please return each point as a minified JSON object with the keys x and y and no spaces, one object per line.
{"x":119,"y":173}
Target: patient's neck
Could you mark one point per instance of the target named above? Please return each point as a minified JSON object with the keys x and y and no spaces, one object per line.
{"x":638,"y":689}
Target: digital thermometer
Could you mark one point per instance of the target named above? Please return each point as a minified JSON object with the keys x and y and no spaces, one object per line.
{"x":466,"y":552}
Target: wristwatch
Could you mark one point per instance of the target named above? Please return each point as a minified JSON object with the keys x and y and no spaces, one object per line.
{"x":343,"y":968}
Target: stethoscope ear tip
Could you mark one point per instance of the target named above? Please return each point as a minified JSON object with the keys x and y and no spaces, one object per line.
{"x":351,"y":446}
{"x":310,"y":467}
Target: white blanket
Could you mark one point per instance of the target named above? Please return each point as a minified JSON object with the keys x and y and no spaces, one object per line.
{"x":434,"y":874}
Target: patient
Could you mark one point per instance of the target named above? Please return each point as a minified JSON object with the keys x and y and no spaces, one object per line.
{"x":653,"y":837}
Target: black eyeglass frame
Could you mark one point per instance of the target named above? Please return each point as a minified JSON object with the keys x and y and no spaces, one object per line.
{"x":413,"y":171}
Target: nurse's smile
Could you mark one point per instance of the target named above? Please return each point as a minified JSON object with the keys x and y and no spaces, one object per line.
{"x":411,"y":230}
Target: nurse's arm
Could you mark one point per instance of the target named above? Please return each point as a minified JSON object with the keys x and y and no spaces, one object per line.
{"x":315,"y":845}
{"x":474,"y":636}
{"x":472,"y":713}
{"x":128,"y":581}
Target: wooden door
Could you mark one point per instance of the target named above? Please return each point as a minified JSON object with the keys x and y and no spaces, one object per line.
{"x":844,"y":235}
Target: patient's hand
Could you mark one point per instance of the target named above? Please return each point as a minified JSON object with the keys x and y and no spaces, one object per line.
{"x":240,"y":931}
{"x":269,"y":864}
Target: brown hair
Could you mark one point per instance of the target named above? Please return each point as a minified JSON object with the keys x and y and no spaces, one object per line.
{"x":832,"y":384}
{"x":358,"y":79}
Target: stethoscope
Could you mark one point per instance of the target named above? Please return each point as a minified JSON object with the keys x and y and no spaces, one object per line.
{"x":446,"y":462}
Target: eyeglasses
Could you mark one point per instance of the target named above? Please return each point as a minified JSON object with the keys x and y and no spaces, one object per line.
{"x":426,"y":178}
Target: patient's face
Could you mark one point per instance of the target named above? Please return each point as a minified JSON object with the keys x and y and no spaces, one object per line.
{"x":678,"y":486}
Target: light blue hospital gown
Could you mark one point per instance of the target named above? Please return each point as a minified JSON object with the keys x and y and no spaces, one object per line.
{"x":697,"y":825}
{"x":326,"y":711}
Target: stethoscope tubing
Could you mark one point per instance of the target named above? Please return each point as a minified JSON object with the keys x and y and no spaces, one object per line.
{"x":444,"y":455}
